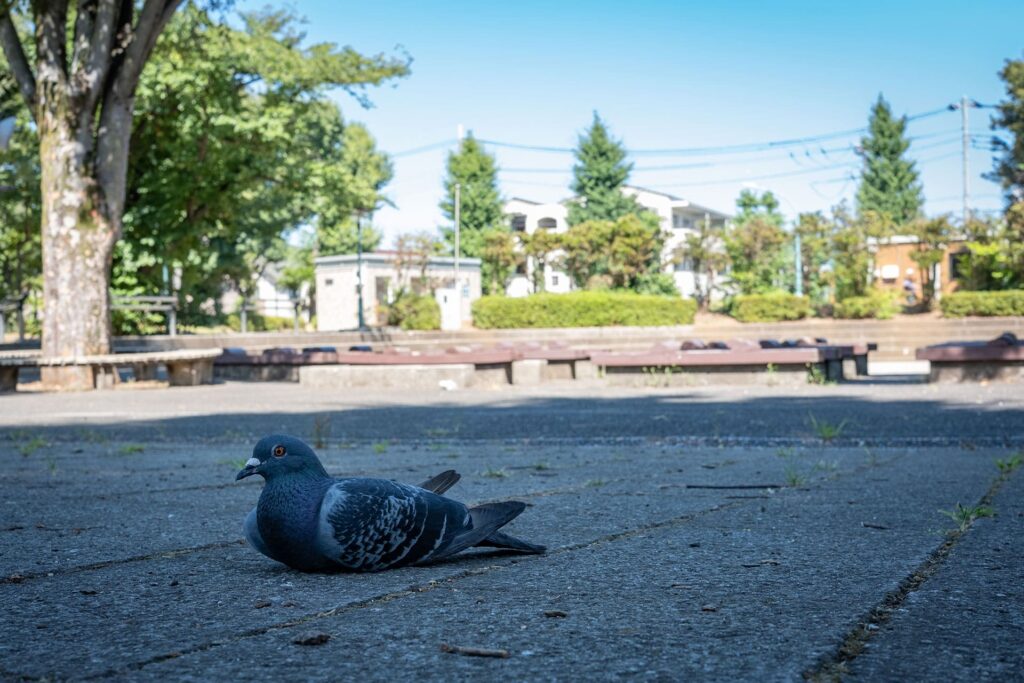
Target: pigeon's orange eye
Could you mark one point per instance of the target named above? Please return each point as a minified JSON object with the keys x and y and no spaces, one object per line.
{"x":278,"y":451}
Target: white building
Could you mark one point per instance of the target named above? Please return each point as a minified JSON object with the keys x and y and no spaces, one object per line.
{"x":679,"y":218}
{"x":383,"y":275}
{"x":270,"y":298}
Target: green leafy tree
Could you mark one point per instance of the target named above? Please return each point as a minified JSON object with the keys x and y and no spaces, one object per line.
{"x":599,"y":174}
{"x":889,"y":181}
{"x":704,"y":248}
{"x":932,"y":235}
{"x":480,"y":210}
{"x":757,"y":246}
{"x":231,"y":150}
{"x":538,"y":248}
{"x":613,"y":254}
{"x":816,"y":232}
{"x":190,"y":160}
{"x":499,"y":260}
{"x":350,"y":179}
{"x":851,"y":257}
{"x":1009,"y":165}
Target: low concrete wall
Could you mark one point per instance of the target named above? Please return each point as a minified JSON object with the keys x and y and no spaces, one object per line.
{"x":897,"y":338}
{"x":1003,"y":371}
{"x":787,"y":375}
{"x":418,"y":377}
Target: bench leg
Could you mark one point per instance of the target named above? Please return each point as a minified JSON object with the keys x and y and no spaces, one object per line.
{"x":190,"y":373}
{"x":834,"y":370}
{"x":107,"y":377}
{"x":862,"y":364}
{"x":144,"y":372}
{"x":8,"y":379}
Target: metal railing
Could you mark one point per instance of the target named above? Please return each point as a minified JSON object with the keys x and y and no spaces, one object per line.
{"x":168,"y":305}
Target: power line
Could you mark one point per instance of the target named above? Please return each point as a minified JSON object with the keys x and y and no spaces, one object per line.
{"x":718,"y":149}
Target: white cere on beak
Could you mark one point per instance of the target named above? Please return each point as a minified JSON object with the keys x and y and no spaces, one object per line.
{"x":252,"y":462}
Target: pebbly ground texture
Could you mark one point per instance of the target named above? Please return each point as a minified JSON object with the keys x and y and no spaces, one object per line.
{"x":705,"y":534}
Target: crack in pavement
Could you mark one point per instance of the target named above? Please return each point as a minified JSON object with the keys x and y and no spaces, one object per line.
{"x":161,"y":555}
{"x":835,"y":665}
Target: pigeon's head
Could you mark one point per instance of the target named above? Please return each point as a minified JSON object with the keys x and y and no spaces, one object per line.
{"x":279,"y":454}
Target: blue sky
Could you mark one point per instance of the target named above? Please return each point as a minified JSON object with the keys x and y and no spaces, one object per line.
{"x":670,"y":75}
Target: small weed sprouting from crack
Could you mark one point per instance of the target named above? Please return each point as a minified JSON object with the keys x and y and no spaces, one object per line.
{"x":540,"y":466}
{"x":492,"y":473}
{"x":131,"y":449}
{"x":784,"y":453}
{"x":321,"y":430}
{"x":793,"y":477}
{"x":825,"y":430}
{"x":594,"y":483}
{"x":965,"y":516}
{"x":29,"y":447}
{"x":1007,"y":466}
{"x":380,"y":448}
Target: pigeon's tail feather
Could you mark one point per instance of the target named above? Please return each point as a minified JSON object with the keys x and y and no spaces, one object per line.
{"x":441,"y":482}
{"x":487,"y":519}
{"x":501,"y":540}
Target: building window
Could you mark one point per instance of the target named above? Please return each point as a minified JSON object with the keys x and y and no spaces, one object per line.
{"x":680,"y":221}
{"x":890,"y":273}
{"x":686,"y":265}
{"x":328,"y":282}
{"x":518,"y":222}
{"x":956,"y":264}
{"x":554,"y":280}
{"x":547,"y":224}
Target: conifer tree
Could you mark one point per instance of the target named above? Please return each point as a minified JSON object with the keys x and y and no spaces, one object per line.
{"x":889,"y":182}
{"x":480,"y":201}
{"x":598,"y":176}
{"x":1009,"y":165}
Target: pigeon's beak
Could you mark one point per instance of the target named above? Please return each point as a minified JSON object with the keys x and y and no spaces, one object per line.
{"x":250,"y":469}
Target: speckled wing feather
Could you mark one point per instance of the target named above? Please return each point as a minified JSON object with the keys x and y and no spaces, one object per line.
{"x":372,"y":524}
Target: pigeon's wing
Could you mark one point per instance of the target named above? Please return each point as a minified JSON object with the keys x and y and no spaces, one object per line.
{"x":441,"y":482}
{"x":486,"y":519}
{"x":372,"y":524}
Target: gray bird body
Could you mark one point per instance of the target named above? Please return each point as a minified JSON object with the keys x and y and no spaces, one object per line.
{"x":312,"y":522}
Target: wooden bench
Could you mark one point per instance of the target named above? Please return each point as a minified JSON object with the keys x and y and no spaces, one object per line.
{"x":187,"y":367}
{"x":168,"y":305}
{"x":741,"y":362}
{"x":1000,"y":359}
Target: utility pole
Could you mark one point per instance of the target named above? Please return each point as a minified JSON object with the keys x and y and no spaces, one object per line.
{"x":359,"y":269}
{"x":458,"y":229}
{"x":963,"y":105}
{"x":798,"y":257}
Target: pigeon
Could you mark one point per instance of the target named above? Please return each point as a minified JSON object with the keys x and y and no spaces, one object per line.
{"x":312,"y":522}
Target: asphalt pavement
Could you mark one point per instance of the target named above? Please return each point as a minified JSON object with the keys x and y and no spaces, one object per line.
{"x":706,"y":534}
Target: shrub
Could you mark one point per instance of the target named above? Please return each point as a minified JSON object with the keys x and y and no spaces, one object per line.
{"x":414,"y":312}
{"x":257,"y":322}
{"x":1006,"y":302}
{"x":582,"y":309}
{"x":878,"y":305}
{"x":767,"y":308}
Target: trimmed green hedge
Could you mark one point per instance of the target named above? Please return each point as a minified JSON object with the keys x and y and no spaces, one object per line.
{"x":412,"y":312}
{"x":582,"y":309}
{"x":878,"y":305}
{"x":959,"y":304}
{"x":769,"y":308}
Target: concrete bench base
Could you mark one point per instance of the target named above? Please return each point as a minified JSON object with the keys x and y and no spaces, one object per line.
{"x":184,"y":368}
{"x":257,"y":373}
{"x":666,"y":376}
{"x":974,"y":371}
{"x":412,"y":377}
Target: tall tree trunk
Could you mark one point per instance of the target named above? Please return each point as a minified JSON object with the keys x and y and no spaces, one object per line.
{"x":79,"y":229}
